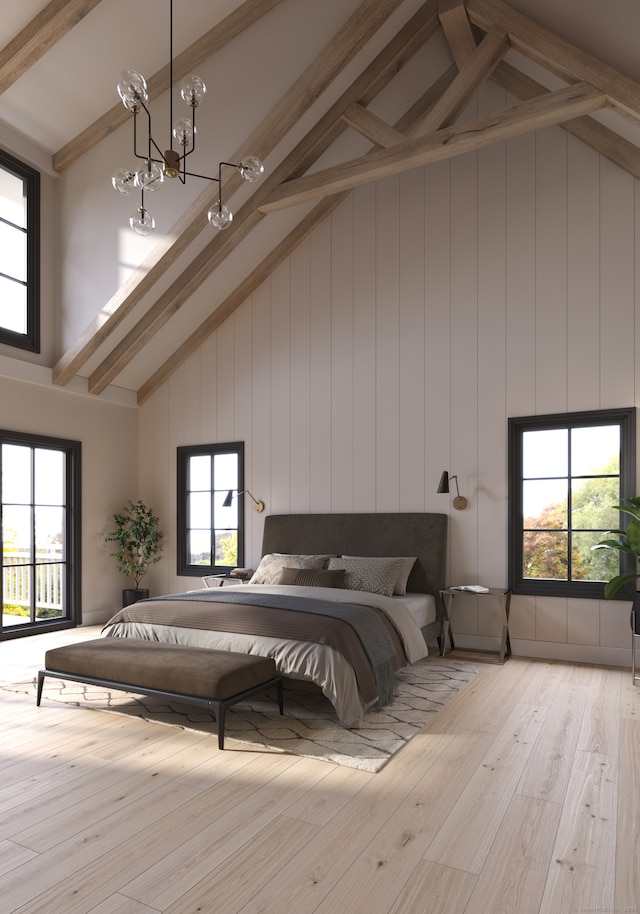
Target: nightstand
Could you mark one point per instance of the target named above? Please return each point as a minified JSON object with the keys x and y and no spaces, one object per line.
{"x":222,"y":580}
{"x":499,"y":656}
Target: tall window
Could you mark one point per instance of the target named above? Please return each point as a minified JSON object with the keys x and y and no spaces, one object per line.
{"x":40,"y":533}
{"x":210,"y":515}
{"x":566,"y":474}
{"x":19,"y":254}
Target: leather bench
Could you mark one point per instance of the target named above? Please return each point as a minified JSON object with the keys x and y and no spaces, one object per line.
{"x":210,"y":679}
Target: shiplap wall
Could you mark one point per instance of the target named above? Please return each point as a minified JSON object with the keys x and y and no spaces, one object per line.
{"x":395,"y":343}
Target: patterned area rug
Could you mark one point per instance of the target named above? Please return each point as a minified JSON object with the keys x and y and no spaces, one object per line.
{"x":309,"y":726}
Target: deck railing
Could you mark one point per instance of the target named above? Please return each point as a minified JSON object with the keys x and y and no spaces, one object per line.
{"x":17,"y":583}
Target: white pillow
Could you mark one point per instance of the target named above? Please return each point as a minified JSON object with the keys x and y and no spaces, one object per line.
{"x":268,"y":571}
{"x":372,"y":575}
{"x":400,"y":586}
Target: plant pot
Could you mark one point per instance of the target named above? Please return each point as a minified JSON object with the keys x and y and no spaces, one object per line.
{"x":133,"y":594}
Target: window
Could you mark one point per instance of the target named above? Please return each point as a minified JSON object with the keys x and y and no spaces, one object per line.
{"x":40,"y":533}
{"x":566,"y":472}
{"x":19,"y":254}
{"x":210,"y":508}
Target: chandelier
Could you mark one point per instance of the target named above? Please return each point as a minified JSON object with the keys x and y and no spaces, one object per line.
{"x":158,"y":164}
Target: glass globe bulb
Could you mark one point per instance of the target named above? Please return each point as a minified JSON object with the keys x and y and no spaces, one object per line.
{"x":183,"y":131}
{"x":124,"y":181}
{"x":142,"y":222}
{"x":150,"y":177}
{"x":132,"y":89}
{"x":221,"y":217}
{"x":251,"y":169}
{"x":192,"y":90}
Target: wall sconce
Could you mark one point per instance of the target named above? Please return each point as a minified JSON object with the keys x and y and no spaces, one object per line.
{"x":257,"y":505}
{"x":459,"y":502}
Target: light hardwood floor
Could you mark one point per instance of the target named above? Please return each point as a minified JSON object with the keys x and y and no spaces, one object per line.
{"x":521,"y":797}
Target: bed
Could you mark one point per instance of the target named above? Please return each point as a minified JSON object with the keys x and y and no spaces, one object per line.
{"x":309,"y":607}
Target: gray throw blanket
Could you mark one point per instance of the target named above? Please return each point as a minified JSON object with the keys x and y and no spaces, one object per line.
{"x":363,"y":620}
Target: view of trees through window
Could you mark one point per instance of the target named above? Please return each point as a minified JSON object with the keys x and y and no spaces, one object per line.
{"x":567,"y":474}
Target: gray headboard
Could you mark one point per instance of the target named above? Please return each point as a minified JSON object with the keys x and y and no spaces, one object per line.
{"x":422,"y":535}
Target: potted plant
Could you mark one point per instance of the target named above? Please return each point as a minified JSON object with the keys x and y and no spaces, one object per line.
{"x":628,"y":542}
{"x":139,"y":539}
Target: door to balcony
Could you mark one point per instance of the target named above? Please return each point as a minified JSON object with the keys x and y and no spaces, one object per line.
{"x":40,"y":485}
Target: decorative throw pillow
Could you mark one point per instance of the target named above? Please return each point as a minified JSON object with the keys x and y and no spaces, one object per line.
{"x":311,"y":577}
{"x":370,"y":575}
{"x":272,"y":564}
{"x":400,"y":586}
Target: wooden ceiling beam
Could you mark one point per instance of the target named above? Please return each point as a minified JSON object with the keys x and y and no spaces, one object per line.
{"x":43,"y":31}
{"x":473,"y":73}
{"x":527,"y":117}
{"x":459,"y":33}
{"x":206,"y":46}
{"x":371,"y":126}
{"x":559,"y":56}
{"x":317,"y":76}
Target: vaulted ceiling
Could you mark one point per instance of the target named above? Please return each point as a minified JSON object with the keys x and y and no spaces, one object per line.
{"x":331,"y":130}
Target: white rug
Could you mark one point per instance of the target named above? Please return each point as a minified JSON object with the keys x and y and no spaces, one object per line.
{"x":309,"y":726}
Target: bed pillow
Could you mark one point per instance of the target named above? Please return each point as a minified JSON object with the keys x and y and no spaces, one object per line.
{"x":272,"y":564}
{"x":400,"y":586}
{"x":371,"y":575}
{"x":311,"y":577}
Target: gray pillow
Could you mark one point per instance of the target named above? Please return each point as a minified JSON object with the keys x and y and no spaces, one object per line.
{"x":400,"y":586}
{"x":372,"y":575}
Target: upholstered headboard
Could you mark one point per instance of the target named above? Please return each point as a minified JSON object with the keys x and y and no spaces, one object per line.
{"x":422,"y":535}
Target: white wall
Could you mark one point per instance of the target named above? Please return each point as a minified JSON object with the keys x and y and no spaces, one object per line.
{"x":398,"y":339}
{"x":108,"y":432}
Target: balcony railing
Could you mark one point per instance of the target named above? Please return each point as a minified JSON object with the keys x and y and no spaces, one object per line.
{"x":18,"y":577}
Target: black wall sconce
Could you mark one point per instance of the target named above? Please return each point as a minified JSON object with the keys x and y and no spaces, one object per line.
{"x":257,"y":505}
{"x":459,"y":502}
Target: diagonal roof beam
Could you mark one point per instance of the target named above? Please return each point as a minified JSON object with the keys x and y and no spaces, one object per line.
{"x":365,"y":88}
{"x":206,"y":46}
{"x":557,"y":55}
{"x":526,"y":117}
{"x":340,"y":50}
{"x":48,"y":27}
{"x":282,"y":251}
{"x":603,"y":140}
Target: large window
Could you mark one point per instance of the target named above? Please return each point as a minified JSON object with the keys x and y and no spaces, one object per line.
{"x":210,"y":516}
{"x":19,"y":254}
{"x":39,"y":533}
{"x":566,"y":474}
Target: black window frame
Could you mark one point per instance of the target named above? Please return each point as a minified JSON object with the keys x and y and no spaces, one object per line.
{"x":626,"y":418}
{"x":31,"y":181}
{"x":184,"y":568}
{"x":73,"y":533}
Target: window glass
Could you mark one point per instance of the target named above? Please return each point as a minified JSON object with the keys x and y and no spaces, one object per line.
{"x":19,"y":254}
{"x":40,"y":543}
{"x":210,"y":531}
{"x":566,"y":474}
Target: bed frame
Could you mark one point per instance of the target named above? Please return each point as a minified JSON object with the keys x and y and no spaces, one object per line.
{"x":422,"y":535}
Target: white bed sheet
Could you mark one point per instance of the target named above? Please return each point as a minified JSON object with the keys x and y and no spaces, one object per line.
{"x":422,"y":607}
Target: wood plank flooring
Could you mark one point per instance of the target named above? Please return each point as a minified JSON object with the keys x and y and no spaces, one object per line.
{"x":521,"y":796}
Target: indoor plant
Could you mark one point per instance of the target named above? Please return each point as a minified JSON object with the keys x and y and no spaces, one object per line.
{"x":628,"y":542}
{"x":139,"y":539}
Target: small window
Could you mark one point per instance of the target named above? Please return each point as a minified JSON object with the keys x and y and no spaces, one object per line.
{"x":19,"y":254}
{"x":566,"y":474}
{"x":210,"y":515}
